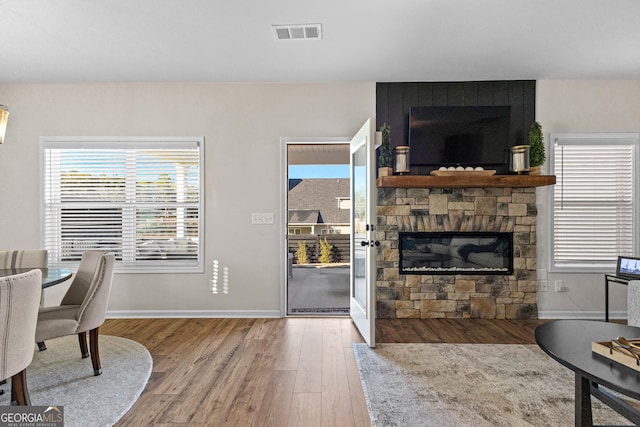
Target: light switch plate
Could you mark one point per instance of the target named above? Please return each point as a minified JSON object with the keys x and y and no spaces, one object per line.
{"x":256,"y":218}
{"x":267,"y":217}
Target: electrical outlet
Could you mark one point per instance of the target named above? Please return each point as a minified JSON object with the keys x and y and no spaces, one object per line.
{"x":267,"y":217}
{"x":559,"y":285}
{"x":256,"y":218}
{"x":543,"y":286}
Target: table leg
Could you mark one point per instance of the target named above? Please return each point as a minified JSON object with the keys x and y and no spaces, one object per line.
{"x":583,"y":402}
{"x":606,"y":300}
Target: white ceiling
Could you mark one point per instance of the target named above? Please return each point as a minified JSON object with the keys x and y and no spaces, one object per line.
{"x":363,"y":40}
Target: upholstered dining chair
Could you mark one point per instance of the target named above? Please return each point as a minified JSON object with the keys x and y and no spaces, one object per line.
{"x":28,"y":258}
{"x":83,"y":308}
{"x":19,"y":303}
{"x":25,"y":258}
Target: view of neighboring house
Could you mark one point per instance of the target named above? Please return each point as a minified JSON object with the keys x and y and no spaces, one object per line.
{"x":319,"y":206}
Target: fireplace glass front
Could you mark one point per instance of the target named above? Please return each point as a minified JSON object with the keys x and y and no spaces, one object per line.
{"x":456,"y":253}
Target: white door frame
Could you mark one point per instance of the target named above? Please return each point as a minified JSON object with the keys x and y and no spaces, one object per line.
{"x":284,"y":215}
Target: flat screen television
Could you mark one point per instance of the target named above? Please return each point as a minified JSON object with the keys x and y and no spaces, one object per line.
{"x":461,"y":136}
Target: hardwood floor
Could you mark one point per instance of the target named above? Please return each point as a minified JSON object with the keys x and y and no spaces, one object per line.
{"x":274,"y":372}
{"x":472,"y":331}
{"x":247,"y":372}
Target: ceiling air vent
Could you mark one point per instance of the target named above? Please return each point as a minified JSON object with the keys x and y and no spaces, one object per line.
{"x":297,"y":32}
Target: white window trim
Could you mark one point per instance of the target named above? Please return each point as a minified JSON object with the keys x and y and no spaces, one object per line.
{"x":125,"y":142}
{"x":597,"y":137}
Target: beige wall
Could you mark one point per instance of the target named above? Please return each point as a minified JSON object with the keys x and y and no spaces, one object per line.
{"x":581,"y":106}
{"x":242,"y":125}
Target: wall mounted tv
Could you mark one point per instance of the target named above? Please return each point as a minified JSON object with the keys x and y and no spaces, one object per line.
{"x":461,"y":136}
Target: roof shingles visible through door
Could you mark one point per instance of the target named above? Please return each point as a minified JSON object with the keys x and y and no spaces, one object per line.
{"x":318,"y":196}
{"x":304,"y":216}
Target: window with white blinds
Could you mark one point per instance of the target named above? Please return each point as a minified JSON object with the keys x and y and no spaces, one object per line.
{"x":594,"y":217}
{"x":140,"y":198}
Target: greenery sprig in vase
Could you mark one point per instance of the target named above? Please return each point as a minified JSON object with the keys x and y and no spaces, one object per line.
{"x":536,"y":148}
{"x":385,"y":152}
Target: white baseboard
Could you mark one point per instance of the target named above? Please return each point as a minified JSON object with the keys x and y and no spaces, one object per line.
{"x":151,"y":314}
{"x":259,"y":314}
{"x":580,"y":314}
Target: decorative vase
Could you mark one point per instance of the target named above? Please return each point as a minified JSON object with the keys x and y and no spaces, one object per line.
{"x":534,"y":170}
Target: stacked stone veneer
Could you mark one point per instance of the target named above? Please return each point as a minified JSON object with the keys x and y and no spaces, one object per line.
{"x":457,"y":296}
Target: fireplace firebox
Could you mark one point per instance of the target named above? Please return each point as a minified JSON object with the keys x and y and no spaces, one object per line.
{"x":456,"y":253}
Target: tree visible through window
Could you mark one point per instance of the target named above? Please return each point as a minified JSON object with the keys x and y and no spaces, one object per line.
{"x":139,"y":198}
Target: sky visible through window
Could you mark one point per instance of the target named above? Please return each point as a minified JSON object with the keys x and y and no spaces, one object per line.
{"x":318,"y":171}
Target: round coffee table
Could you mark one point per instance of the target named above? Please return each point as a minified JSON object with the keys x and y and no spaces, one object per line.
{"x":569,"y":342}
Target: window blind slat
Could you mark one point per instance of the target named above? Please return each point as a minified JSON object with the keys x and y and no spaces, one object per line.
{"x":593,"y":199}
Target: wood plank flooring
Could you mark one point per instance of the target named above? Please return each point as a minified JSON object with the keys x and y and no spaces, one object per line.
{"x":274,"y":372}
{"x":471,"y":331}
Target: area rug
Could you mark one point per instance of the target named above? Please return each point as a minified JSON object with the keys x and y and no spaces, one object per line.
{"x":60,"y":377}
{"x":469,"y":385}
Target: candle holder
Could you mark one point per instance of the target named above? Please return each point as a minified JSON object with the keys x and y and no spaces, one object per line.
{"x":520,"y":159}
{"x":401,"y":159}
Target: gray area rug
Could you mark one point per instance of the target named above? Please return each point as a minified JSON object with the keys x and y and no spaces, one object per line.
{"x":60,"y":377}
{"x":469,"y":385}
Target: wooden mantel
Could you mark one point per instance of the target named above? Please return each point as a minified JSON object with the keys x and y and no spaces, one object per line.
{"x":464,"y":181}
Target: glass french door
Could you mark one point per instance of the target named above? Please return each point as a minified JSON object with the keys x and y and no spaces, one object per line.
{"x":363,"y":243}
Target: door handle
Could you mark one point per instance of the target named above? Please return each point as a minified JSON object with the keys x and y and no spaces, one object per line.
{"x":368,"y":243}
{"x":364,"y":243}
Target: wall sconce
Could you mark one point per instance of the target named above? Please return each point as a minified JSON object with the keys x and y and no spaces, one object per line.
{"x":4,"y":118}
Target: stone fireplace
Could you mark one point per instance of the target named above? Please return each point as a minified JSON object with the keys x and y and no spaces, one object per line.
{"x":476,"y":210}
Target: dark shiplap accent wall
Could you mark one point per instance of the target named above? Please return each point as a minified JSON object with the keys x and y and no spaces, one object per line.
{"x":393,"y":101}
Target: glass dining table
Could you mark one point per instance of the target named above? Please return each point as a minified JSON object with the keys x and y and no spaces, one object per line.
{"x":50,"y":276}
